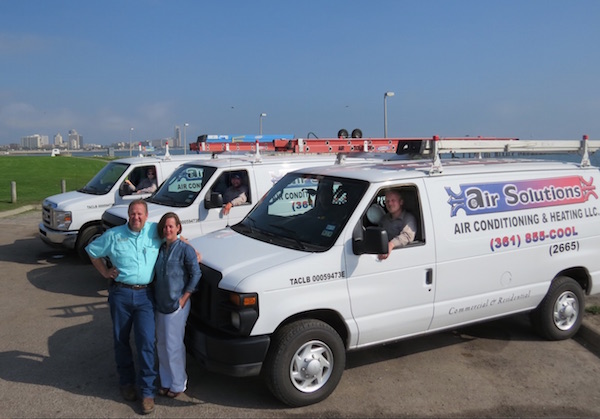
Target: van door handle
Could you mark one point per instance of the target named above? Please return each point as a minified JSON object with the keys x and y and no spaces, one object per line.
{"x":429,"y":276}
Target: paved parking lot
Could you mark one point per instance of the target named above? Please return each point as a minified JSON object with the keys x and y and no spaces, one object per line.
{"x":56,"y":359}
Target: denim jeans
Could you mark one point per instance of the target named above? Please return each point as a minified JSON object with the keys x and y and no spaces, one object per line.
{"x":134,"y":308}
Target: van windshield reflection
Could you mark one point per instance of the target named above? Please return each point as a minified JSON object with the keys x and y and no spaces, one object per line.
{"x":183,"y":186}
{"x":304,"y":212}
{"x":105,"y":179}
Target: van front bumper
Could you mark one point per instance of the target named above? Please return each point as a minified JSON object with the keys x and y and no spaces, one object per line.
{"x":237,"y":357}
{"x":58,"y":238}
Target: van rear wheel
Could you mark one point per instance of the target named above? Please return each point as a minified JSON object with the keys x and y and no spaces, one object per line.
{"x":560,"y":313}
{"x":305,"y":362}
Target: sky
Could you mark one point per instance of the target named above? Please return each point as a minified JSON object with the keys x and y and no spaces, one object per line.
{"x":504,"y":68}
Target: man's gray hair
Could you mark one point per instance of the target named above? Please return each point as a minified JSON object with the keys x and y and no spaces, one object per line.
{"x":138,"y":202}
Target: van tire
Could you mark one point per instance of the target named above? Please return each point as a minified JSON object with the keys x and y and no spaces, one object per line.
{"x":88,"y":235}
{"x":299,"y":341}
{"x":560,"y":313}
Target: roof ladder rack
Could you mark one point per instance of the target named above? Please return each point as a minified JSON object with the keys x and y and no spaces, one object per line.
{"x":438,"y":146}
{"x":436,"y":161}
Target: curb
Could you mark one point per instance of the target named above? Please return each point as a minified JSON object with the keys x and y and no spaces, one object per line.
{"x":19,"y":210}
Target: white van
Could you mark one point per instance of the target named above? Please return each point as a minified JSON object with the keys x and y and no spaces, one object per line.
{"x":73,"y":219}
{"x":195,"y":190}
{"x":286,"y":293}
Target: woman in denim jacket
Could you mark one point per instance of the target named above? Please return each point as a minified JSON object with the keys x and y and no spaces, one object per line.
{"x":177,"y":275}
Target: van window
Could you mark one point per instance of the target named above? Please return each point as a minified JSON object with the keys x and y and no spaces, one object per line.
{"x":183,"y":186}
{"x":224,"y":182}
{"x":105,"y":179}
{"x":411,"y":204}
{"x":304,"y":212}
{"x":138,"y":178}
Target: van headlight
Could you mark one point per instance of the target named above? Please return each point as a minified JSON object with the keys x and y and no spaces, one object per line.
{"x":243,"y":312}
{"x":61,"y":219}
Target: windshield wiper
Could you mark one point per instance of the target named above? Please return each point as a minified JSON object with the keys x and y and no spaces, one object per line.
{"x":294,"y":235}
{"x":91,"y":190}
{"x":165,"y":200}
{"x":253,"y":221}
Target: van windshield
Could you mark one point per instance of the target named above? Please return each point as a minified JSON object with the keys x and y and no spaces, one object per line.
{"x":304,"y":212}
{"x":183,"y":186}
{"x":105,"y":179}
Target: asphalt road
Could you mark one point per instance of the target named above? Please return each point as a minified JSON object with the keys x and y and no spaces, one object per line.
{"x":56,"y":359}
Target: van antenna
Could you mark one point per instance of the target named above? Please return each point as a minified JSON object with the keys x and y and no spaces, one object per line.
{"x":585,"y":159}
{"x":167,"y":154}
{"x":436,"y":163}
{"x":340,"y":158}
{"x":257,"y":156}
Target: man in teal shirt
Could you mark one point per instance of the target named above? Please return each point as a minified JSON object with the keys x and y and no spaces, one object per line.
{"x":132,"y":249}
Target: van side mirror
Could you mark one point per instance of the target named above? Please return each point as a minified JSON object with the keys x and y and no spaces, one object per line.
{"x":372,"y":241}
{"x":215,"y":200}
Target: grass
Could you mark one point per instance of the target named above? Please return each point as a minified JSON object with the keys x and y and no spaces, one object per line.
{"x":38,"y":177}
{"x":593,"y":309}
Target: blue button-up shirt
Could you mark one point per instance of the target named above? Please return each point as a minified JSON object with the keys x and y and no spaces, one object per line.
{"x":133,"y":254}
{"x":177,"y":272}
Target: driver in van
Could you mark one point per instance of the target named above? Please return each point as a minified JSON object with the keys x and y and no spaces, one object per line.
{"x":401,"y":225}
{"x":146,"y":185}
{"x":235,"y":194}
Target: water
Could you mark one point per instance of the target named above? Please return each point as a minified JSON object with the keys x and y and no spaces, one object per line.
{"x":101,"y":153}
{"x":569,"y":157}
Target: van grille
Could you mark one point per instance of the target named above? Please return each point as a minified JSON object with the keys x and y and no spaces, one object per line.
{"x":208,"y":301}
{"x":47,"y":216}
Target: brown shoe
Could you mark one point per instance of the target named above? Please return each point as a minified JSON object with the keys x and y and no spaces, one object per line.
{"x":128,"y":392}
{"x":173,"y":394}
{"x":147,"y":405}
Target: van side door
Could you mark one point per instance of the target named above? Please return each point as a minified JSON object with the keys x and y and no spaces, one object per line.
{"x":394,"y":297}
{"x":135,"y":176}
{"x":213,"y":218}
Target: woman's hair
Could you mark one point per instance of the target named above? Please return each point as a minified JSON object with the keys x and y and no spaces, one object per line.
{"x":163,"y":221}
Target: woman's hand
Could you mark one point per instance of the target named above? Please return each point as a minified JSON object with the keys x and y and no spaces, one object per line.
{"x":184,"y":299}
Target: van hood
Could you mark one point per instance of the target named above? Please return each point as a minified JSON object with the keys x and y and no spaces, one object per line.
{"x":238,"y":257}
{"x":155,"y":212}
{"x":73,"y":200}
{"x":119,"y":211}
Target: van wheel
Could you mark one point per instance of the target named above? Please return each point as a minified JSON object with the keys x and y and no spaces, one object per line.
{"x":560,"y":313}
{"x":88,"y":235}
{"x":305,"y":362}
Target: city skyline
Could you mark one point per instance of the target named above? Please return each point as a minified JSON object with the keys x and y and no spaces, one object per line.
{"x":497,"y":68}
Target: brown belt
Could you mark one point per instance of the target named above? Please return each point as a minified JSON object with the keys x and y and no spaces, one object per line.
{"x":133,"y":287}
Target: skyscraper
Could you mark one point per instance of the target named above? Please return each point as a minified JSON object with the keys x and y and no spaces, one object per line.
{"x":75,"y":140}
{"x":177,"y":138}
{"x":33,"y":142}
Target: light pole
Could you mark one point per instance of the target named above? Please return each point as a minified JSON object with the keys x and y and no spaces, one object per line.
{"x":385,"y":96}
{"x":185,"y":138}
{"x":260,"y":117}
{"x":130,"y":132}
